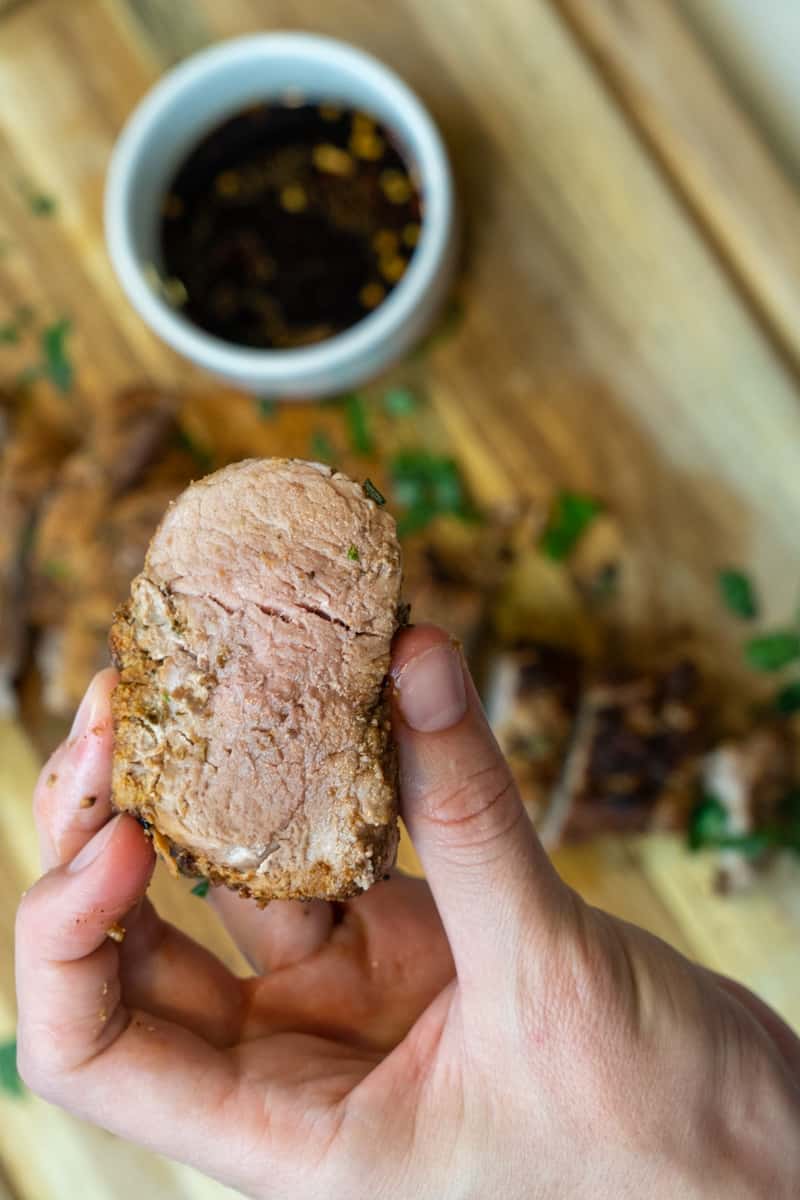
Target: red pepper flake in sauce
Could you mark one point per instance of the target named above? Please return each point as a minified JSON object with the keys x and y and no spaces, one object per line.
{"x":287,"y":224}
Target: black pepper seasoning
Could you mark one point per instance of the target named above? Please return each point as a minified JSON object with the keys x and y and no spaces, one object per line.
{"x":287,"y":224}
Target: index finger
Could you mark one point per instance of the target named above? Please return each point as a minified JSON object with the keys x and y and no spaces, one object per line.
{"x":79,"y":1045}
{"x":72,"y":798}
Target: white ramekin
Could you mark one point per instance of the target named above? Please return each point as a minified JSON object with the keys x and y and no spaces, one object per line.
{"x":196,"y":96}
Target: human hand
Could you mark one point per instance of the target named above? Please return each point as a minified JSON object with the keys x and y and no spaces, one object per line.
{"x":572,"y":1055}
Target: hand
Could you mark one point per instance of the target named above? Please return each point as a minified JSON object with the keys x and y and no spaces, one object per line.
{"x":571,"y":1054}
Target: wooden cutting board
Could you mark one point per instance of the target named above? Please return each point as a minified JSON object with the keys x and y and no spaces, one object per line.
{"x":632,"y":328}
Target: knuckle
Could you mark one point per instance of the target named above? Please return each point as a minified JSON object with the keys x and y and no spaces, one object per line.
{"x":478,"y":810}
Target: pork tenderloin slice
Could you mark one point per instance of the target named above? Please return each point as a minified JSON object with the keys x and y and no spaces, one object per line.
{"x":251,"y":723}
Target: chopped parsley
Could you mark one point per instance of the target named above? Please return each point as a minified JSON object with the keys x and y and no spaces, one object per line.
{"x":55,"y":364}
{"x":570,"y":517}
{"x":399,"y":401}
{"x":11,"y":331}
{"x":355,"y":410}
{"x":373,"y":493}
{"x":202,"y":456}
{"x":709,"y":829}
{"x":773,"y":651}
{"x":352,"y":553}
{"x":201,"y":889}
{"x":10,"y":1081}
{"x":738,"y":593}
{"x":40,"y":203}
{"x":425,"y":486}
{"x":266,"y":407}
{"x":787,"y":700}
{"x":708,"y":823}
{"x":321,"y":447}
{"x":56,"y":568}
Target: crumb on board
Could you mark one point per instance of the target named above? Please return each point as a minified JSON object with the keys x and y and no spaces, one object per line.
{"x":116,"y":932}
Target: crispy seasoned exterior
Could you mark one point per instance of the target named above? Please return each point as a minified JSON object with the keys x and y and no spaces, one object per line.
{"x":251,"y":729}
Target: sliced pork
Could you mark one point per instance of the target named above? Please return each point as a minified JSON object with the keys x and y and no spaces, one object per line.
{"x":251,"y":724}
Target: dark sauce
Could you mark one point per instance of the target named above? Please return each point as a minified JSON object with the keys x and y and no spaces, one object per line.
{"x":288,"y":224}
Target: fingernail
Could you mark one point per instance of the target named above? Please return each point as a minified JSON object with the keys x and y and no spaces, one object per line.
{"x":94,"y":847}
{"x":430,"y":689}
{"x":86,"y":716}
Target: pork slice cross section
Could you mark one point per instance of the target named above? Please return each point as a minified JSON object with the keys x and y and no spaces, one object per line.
{"x":251,"y":718}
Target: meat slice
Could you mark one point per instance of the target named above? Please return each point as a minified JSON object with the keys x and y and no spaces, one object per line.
{"x":28,"y":466}
{"x":634,"y":757}
{"x":532,"y":699}
{"x":619,"y":754}
{"x":251,"y":724}
{"x":98,"y":569}
{"x":129,"y":430}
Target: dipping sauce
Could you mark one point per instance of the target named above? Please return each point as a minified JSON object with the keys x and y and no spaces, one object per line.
{"x":287,"y":224}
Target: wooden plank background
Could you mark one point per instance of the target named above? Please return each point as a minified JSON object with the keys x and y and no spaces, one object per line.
{"x":632,"y":328}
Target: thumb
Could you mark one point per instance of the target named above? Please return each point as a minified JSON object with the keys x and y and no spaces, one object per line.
{"x":493,"y":884}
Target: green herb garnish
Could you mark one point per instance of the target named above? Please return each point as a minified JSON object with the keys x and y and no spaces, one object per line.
{"x":202,"y":456}
{"x":373,"y":493}
{"x":266,"y":407}
{"x":56,"y":568}
{"x":570,"y":517}
{"x":201,"y":889}
{"x":352,"y":554}
{"x":56,"y":365}
{"x":10,"y":1081}
{"x":738,"y":593}
{"x":399,"y":402}
{"x":787,"y":700}
{"x":321,"y":447}
{"x":11,"y":331}
{"x":427,"y":485}
{"x":358,"y":424}
{"x":772,"y":651}
{"x":708,"y":822}
{"x":40,"y":203}
{"x":708,"y":828}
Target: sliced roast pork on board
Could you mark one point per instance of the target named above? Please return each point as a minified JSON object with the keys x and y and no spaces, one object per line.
{"x":251,"y":723}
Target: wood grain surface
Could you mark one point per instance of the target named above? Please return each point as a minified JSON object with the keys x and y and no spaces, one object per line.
{"x":630,"y":329}
{"x":710,"y":148}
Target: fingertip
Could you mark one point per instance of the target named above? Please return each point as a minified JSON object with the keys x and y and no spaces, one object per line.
{"x":67,"y":914}
{"x":413,"y":640}
{"x":130,"y":854}
{"x":117,"y":861}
